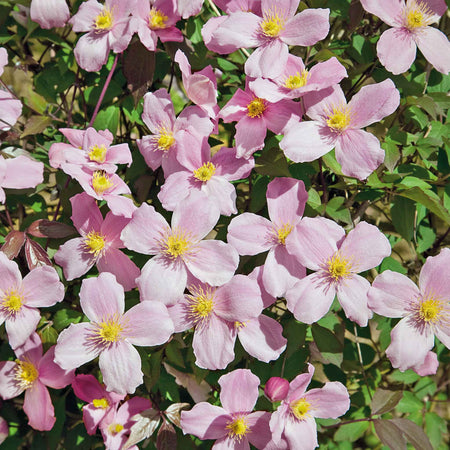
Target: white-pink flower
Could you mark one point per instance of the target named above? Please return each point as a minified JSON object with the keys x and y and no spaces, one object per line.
{"x":111,"y":333}
{"x":425,"y":311}
{"x":20,"y":299}
{"x":336,"y":124}
{"x":322,"y":246}
{"x":49,"y":13}
{"x":410,"y":21}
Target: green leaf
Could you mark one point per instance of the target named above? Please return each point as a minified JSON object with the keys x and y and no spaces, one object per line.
{"x":409,"y":403}
{"x":326,"y":340}
{"x":390,"y":263}
{"x":436,"y":428}
{"x":351,"y":432}
{"x":336,"y":210}
{"x":403,"y":211}
{"x":108,"y":119}
{"x":64,"y":317}
{"x":272,"y":162}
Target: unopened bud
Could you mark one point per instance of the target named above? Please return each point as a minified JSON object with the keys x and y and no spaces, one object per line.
{"x":276,"y":389}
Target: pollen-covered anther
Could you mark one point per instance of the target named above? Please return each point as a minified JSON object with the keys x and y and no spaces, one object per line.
{"x":115,"y":428}
{"x":12,"y":302}
{"x":256,"y":107}
{"x":339,"y":118}
{"x":101,"y":182}
{"x":176,"y":244}
{"x":201,"y":303}
{"x":104,"y":21}
{"x":94,"y":243}
{"x":100,"y":403}
{"x":300,"y":408}
{"x":157,"y":19}
{"x":165,"y":139}
{"x":205,"y":172}
{"x":417,"y":14}
{"x":97,"y":153}
{"x":26,"y":373}
{"x":297,"y":81}
{"x":108,"y":331}
{"x":338,"y":267}
{"x":283,"y":232}
{"x":238,"y":428}
{"x":272,"y":24}
{"x":430,"y":310}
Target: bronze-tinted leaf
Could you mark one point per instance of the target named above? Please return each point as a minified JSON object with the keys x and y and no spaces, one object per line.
{"x":43,"y":228}
{"x":167,"y":437}
{"x":36,"y":255}
{"x":389,"y":434}
{"x":13,"y":243}
{"x":384,"y":400}
{"x":146,"y":423}
{"x":138,"y":66}
{"x":413,"y":433}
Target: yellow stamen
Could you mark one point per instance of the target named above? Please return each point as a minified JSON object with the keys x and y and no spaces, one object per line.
{"x":201,"y":303}
{"x":338,"y":267}
{"x":101,"y":182}
{"x":165,"y":139}
{"x":115,"y":428}
{"x":109,"y":330}
{"x":272,"y":24}
{"x":239,"y":325}
{"x":157,"y":19}
{"x":176,"y":244}
{"x":283,"y":232}
{"x":339,"y":118}
{"x":94,"y":243}
{"x":26,"y":373}
{"x":12,"y":301}
{"x":97,"y":153}
{"x":256,"y":107}
{"x":104,"y":21}
{"x":100,"y":403}
{"x":297,"y":81}
{"x":417,"y":15}
{"x":300,"y":408}
{"x":430,"y":310}
{"x":238,"y":428}
{"x":205,"y":172}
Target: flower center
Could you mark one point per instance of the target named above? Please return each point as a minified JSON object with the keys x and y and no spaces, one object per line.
{"x":201,"y":303}
{"x":297,"y":81}
{"x":104,"y":21}
{"x":101,"y":182}
{"x":238,"y":428}
{"x":165,"y":140}
{"x":338,"y":267}
{"x":300,"y":408}
{"x":156,"y":19}
{"x":26,"y":373}
{"x":283,"y":232}
{"x":100,"y":403}
{"x":272,"y":24}
{"x":430,"y":310}
{"x":256,"y":107}
{"x":109,"y":330}
{"x":94,"y":243}
{"x":12,"y":301}
{"x":97,"y":153}
{"x":205,"y":172}
{"x":339,"y":118}
{"x":417,"y":15}
{"x":115,"y":428}
{"x":239,"y":325}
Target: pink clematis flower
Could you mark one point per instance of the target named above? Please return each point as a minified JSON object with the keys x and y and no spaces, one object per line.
{"x":410,"y":22}
{"x":211,"y":175}
{"x":32,"y":372}
{"x":179,"y":249}
{"x":169,"y":133}
{"x":20,"y":299}
{"x":294,"y":422}
{"x":425,"y":311}
{"x":251,"y":234}
{"x":49,"y":13}
{"x":89,"y":148}
{"x":234,"y":425}
{"x":321,"y":245}
{"x":99,"y":244}
{"x":296,"y":81}
{"x":117,"y":424}
{"x":254,"y":116}
{"x":108,"y":28}
{"x":214,"y":312}
{"x":429,"y":366}
{"x":20,"y":172}
{"x":111,"y":333}
{"x":101,"y":402}
{"x":338,"y":124}
{"x":156,"y":19}
{"x":272,"y":33}
{"x":188,"y":8}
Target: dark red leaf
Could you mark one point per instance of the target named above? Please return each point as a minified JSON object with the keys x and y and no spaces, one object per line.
{"x":43,"y":228}
{"x":413,"y":433}
{"x":13,"y":243}
{"x":389,"y":434}
{"x":36,"y":255}
{"x":167,"y":437}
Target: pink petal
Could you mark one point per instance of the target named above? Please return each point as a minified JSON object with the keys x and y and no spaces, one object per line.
{"x":239,"y":391}
{"x":86,"y":215}
{"x":181,"y":315}
{"x":120,"y":365}
{"x":101,"y":297}
{"x":222,"y":193}
{"x":434,"y":279}
{"x":324,"y":74}
{"x":403,"y":356}
{"x":162,"y":280}
{"x":38,"y":407}
{"x":225,"y":257}
{"x":10,"y":278}
{"x":205,"y":421}
{"x":365,"y":247}
{"x":112,"y":228}
{"x":121,"y":266}
{"x":331,"y":401}
{"x":251,"y":234}
{"x":310,"y":298}
{"x":280,"y":115}
{"x":429,"y":366}
{"x":301,"y":434}
{"x":250,"y":135}
{"x":374,"y":102}
{"x":74,"y":259}
{"x":319,"y":103}
{"x":10,"y":113}
{"x":260,"y":435}
{"x":22,"y":172}
{"x":257,"y":274}
{"x":396,"y":50}
{"x":213,"y":344}
{"x":9,"y":388}
{"x":120,"y":206}
{"x":262,"y":338}
{"x":268,"y":60}
{"x":352,"y":295}
{"x":307,"y":28}
{"x":51,"y":374}
{"x":388,"y":10}
{"x":229,"y":166}
{"x":42,"y":287}
{"x":194,"y":118}
{"x":208,"y":34}
{"x":87,"y":388}
{"x":82,"y":20}
{"x":176,"y":188}
{"x":158,"y":110}
{"x":236,"y":108}
{"x":21,"y":326}
{"x":359,"y":153}
{"x":91,"y":51}
{"x":31,"y":349}
{"x":151,"y":324}
{"x":391,"y":293}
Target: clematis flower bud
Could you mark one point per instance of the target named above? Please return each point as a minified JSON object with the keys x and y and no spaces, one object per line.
{"x":276,"y":389}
